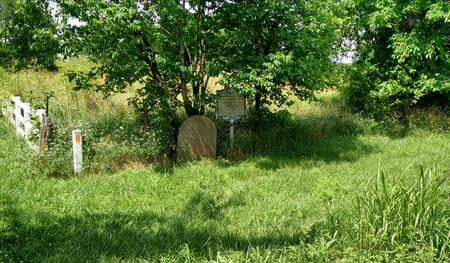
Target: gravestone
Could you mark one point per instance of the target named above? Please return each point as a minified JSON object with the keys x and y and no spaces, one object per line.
{"x":197,"y":139}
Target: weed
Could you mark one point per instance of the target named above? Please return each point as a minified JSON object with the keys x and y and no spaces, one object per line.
{"x":401,"y":213}
{"x":394,"y":218}
{"x":294,"y":189}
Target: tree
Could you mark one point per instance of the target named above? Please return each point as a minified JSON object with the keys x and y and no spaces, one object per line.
{"x":403,"y":51}
{"x":6,"y":10}
{"x":28,"y":34}
{"x":162,"y":45}
{"x":275,"y":48}
{"x":173,"y":48}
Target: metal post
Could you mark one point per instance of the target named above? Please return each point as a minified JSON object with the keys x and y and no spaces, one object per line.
{"x":77,"y":151}
{"x":231,"y":133}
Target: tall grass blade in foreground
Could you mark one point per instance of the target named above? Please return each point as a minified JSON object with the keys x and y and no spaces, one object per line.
{"x":397,"y":213}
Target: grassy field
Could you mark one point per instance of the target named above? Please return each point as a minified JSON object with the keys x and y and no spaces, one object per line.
{"x":328,"y":186}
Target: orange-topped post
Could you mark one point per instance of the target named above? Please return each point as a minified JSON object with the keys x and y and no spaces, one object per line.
{"x":77,"y":151}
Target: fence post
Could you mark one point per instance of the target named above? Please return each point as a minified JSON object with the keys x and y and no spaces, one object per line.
{"x":17,"y":114}
{"x":20,"y":114}
{"x":41,"y":114}
{"x":26,"y":108}
{"x":77,"y":151}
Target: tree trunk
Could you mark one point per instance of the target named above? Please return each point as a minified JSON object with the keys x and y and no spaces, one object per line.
{"x":175,"y":124}
{"x":258,"y":106}
{"x":196,"y":100}
{"x":190,"y":111}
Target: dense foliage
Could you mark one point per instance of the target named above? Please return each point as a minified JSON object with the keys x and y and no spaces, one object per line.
{"x":276,"y":48}
{"x":403,"y":53}
{"x":161,"y":45}
{"x":175,"y":48}
{"x":27,"y":34}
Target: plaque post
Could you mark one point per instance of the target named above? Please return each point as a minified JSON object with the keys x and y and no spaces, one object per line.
{"x":232,"y":122}
{"x":231,"y":106}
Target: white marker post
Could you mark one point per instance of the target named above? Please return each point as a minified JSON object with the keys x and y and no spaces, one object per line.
{"x":77,"y":151}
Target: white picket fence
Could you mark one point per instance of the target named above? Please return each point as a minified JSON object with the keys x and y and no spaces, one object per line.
{"x":19,"y":113}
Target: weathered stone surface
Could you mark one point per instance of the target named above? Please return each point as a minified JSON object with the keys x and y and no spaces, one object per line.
{"x":197,"y":139}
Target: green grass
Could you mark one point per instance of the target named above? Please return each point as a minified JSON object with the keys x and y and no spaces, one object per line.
{"x":306,"y":187}
{"x":261,"y":209}
{"x":73,"y":106}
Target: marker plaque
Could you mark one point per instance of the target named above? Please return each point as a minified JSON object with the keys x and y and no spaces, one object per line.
{"x":231,"y":105}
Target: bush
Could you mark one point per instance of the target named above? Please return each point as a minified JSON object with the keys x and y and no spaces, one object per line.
{"x":110,"y":143}
{"x":402,"y":55}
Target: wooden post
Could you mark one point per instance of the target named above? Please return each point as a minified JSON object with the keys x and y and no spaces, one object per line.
{"x":45,"y":134}
{"x":17,"y":114}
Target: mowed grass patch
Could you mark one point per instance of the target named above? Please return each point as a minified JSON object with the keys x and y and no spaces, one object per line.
{"x":265,"y":208}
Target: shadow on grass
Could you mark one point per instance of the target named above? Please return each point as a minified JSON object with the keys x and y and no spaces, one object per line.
{"x":300,"y":142}
{"x":95,"y":237}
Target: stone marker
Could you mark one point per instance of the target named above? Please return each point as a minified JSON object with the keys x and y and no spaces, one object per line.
{"x":197,"y":139}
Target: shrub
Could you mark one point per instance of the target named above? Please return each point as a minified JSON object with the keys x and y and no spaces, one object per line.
{"x":402,"y":55}
{"x":110,"y":143}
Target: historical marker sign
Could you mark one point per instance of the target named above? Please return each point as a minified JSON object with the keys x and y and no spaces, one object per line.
{"x":231,"y":105}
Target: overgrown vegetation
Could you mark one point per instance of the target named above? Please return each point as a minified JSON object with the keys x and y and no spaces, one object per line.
{"x":398,"y":212}
{"x":306,"y":185}
{"x":113,"y":136}
{"x":325,"y":203}
{"x":115,"y":139}
{"x":402,"y":55}
{"x":359,"y":175}
{"x":403,"y":217}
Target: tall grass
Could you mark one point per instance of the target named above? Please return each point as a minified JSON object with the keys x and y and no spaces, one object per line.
{"x":314,"y":203}
{"x":396,"y":217}
{"x":401,"y":213}
{"x":303,"y":185}
{"x":112,"y":135}
{"x":114,"y":138}
{"x":67,"y":105}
